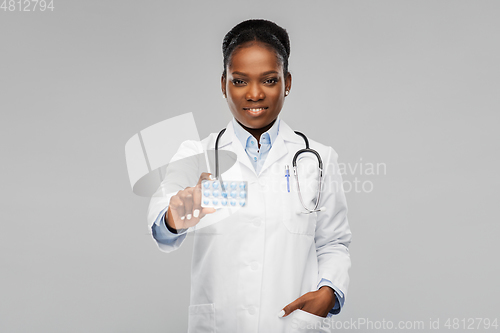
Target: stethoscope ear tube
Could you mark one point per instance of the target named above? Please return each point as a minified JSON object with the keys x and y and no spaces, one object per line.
{"x":217,"y":170}
{"x":307,"y":150}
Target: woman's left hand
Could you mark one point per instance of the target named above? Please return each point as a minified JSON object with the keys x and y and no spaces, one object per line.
{"x":318,"y":302}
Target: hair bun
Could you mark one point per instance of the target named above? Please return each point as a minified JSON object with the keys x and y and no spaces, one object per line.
{"x":260,"y":25}
{"x":257,"y":30}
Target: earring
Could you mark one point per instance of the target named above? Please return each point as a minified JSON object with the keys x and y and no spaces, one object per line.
{"x":286,"y":93}
{"x":223,"y":95}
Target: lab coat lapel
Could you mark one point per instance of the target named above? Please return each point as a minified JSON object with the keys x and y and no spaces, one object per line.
{"x":231,"y":142}
{"x":279,"y":148}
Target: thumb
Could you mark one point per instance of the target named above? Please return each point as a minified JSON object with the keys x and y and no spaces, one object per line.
{"x":289,"y":308}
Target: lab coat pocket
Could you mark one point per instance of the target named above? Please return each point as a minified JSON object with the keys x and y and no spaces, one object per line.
{"x":303,"y":321}
{"x":294,"y":218}
{"x":201,"y":318}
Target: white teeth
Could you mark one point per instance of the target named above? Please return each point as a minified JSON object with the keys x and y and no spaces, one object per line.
{"x":255,"y":110}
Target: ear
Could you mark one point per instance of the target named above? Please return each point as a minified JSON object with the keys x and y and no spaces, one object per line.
{"x":223,"y":85}
{"x":288,"y":82}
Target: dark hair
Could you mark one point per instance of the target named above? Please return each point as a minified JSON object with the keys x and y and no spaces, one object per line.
{"x":259,"y":30}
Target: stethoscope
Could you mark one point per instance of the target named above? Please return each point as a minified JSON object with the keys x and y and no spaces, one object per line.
{"x":295,"y":172}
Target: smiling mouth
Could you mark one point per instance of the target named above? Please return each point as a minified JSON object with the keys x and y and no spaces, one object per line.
{"x":256,"y":109}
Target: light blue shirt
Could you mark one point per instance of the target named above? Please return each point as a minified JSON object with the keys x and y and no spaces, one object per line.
{"x":257,"y":158}
{"x":257,"y":155}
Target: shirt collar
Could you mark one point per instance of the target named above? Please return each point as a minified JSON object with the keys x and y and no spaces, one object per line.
{"x":243,"y":135}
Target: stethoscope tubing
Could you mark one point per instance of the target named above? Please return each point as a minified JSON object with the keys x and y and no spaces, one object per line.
{"x":217,"y":170}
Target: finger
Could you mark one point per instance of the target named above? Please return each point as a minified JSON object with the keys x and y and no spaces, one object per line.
{"x":207,"y":210}
{"x":177,"y":210}
{"x":198,"y":211}
{"x":187,"y":198}
{"x":197,"y":201}
{"x":290,"y":308}
{"x":204,"y":176}
{"x":203,"y":210}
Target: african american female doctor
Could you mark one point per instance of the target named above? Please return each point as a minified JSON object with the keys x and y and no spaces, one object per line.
{"x":268,"y":263}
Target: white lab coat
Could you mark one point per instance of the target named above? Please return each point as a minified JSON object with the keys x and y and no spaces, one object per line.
{"x":247,"y":266}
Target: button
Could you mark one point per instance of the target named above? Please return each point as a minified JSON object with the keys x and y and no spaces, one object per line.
{"x":254,"y":266}
{"x":255,"y":158}
{"x":252,"y":310}
{"x":252,"y":142}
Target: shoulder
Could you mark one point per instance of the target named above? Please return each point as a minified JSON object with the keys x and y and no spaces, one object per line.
{"x":209,"y":142}
{"x":326,"y":152}
{"x":188,"y":148}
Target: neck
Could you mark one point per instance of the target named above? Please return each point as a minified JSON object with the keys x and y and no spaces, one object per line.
{"x":257,"y":132}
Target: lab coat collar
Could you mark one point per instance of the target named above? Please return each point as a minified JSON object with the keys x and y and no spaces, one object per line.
{"x":288,"y":134}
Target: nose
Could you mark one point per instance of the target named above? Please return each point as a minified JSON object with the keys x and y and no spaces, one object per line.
{"x":255,"y":93}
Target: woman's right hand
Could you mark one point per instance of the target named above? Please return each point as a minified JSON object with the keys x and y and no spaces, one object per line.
{"x":185,"y":209}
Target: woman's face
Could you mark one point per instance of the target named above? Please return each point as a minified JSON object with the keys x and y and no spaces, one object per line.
{"x":255,"y":86}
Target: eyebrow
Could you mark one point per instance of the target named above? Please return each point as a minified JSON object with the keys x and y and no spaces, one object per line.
{"x":263,"y":74}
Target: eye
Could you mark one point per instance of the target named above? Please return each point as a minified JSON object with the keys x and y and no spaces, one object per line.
{"x":238,"y":82}
{"x":271,"y":80}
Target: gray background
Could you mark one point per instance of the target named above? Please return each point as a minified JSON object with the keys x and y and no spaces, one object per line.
{"x":412,"y":84}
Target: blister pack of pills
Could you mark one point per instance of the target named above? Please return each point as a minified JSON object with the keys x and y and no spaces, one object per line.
{"x":223,"y":194}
